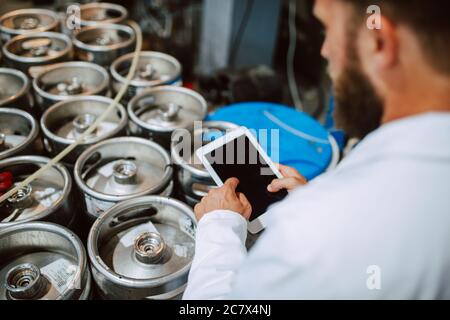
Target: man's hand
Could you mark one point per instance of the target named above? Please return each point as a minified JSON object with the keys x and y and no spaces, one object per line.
{"x":224,"y":198}
{"x":291,"y":180}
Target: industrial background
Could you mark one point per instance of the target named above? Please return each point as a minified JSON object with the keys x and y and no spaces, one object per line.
{"x":114,"y":220}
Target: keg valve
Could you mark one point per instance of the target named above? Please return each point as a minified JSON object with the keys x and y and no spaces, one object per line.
{"x":148,"y":72}
{"x":37,"y":47}
{"x":73,"y":87}
{"x":22,"y":199}
{"x":169,"y":112}
{"x":124,"y":172}
{"x":83,"y":122}
{"x":150,"y":248}
{"x":29,"y":23}
{"x":25,"y":282}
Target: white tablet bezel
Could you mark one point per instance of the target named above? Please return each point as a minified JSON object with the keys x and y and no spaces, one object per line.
{"x":259,"y":223}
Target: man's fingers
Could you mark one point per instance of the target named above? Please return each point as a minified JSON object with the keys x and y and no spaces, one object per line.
{"x":246,"y":204}
{"x":285,"y":183}
{"x":289,"y":172}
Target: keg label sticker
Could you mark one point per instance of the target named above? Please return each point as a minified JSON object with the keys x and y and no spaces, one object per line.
{"x":60,"y":273}
{"x":107,"y":170}
{"x":187,"y":226}
{"x":96,"y":207}
{"x":181,"y":250}
{"x":48,"y":197}
{"x":128,"y":239}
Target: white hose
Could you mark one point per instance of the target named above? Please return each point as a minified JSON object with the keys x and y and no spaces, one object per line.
{"x":94,"y":126}
{"x":291,"y":56}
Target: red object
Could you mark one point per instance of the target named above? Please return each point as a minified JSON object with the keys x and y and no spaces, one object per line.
{"x":6,"y":176}
{"x":5,"y":185}
{"x":6,"y":181}
{"x":189,"y":85}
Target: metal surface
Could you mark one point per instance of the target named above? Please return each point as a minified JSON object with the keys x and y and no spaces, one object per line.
{"x":65,"y":121}
{"x":154,"y":69}
{"x":45,"y":199}
{"x":18,"y":132}
{"x":120,"y":169}
{"x":42,"y":261}
{"x":192,"y":177}
{"x":14,"y":89}
{"x":156,"y":113}
{"x":143,"y":249}
{"x":93,"y":14}
{"x":64,"y":81}
{"x":30,"y":51}
{"x":104,"y":43}
{"x":24,"y":21}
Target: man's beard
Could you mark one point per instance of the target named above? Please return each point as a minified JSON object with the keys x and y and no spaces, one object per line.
{"x":359,"y":109}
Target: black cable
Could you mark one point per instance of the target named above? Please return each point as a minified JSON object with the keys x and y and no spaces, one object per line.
{"x":239,"y":35}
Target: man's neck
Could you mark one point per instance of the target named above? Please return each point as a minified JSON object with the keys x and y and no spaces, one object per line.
{"x":420,"y":97}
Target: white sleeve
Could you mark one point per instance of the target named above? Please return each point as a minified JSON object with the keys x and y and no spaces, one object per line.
{"x":219,"y":251}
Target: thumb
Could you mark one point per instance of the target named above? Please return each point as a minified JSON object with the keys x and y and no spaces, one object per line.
{"x":232,"y":183}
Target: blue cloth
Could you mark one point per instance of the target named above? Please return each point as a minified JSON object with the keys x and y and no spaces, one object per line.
{"x":309,"y":158}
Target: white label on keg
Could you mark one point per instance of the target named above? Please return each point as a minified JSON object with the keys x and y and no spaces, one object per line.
{"x":107,"y":170}
{"x":96,"y":207}
{"x":48,"y":196}
{"x":128,"y":239}
{"x":187,"y":226}
{"x":180,"y":250}
{"x":60,"y":273}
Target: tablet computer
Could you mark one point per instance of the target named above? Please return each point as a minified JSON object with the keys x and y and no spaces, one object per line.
{"x":238,"y":154}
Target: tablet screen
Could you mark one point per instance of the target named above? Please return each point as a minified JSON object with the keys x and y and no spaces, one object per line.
{"x":240,"y":159}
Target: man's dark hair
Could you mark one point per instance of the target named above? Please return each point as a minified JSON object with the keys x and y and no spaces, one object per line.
{"x":429,"y":19}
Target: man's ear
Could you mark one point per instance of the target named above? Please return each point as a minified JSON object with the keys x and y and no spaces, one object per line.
{"x":383,"y":45}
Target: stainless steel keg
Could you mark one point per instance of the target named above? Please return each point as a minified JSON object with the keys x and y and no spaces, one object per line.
{"x":156,"y":113}
{"x":93,"y":14}
{"x":65,"y":121}
{"x":120,"y":169}
{"x":29,"y":52}
{"x":18,"y":132}
{"x":143,"y":249}
{"x":154,"y":69}
{"x":14,"y":89}
{"x":42,"y":261}
{"x":63,"y":81}
{"x":24,"y":21}
{"x":104,"y":43}
{"x":45,"y":199}
{"x":193,"y":179}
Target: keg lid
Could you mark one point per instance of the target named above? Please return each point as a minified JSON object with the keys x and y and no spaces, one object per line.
{"x":154,"y":68}
{"x":28,"y":20}
{"x":94,"y":13}
{"x":63,"y":80}
{"x":13,"y":84}
{"x":122,"y":168}
{"x":167,"y":108}
{"x":41,"y":197}
{"x":148,"y":239}
{"x":18,"y":129}
{"x":37,"y":47}
{"x":41,"y":261}
{"x":104,"y":37}
{"x":67,"y":120}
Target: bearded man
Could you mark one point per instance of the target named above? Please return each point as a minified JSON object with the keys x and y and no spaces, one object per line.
{"x":378,"y":226}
